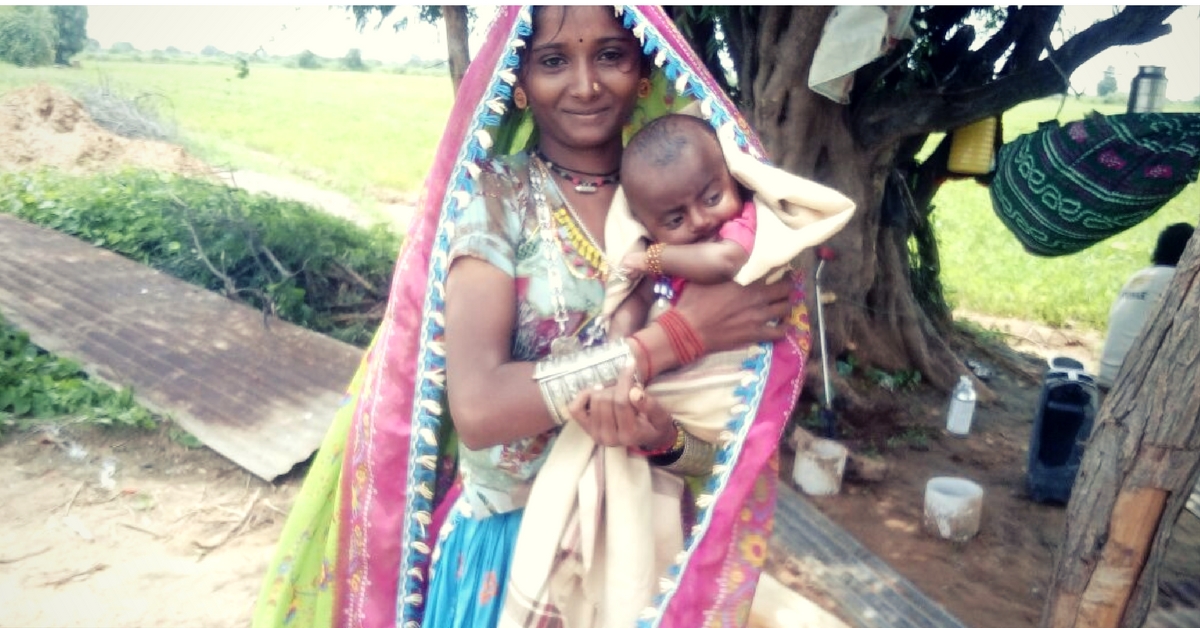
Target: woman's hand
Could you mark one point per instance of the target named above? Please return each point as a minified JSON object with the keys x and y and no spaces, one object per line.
{"x":623,"y":415}
{"x":727,"y":315}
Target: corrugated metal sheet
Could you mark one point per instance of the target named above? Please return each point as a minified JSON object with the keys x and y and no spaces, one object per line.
{"x":1178,"y":605}
{"x":865,"y":591}
{"x":261,"y":395}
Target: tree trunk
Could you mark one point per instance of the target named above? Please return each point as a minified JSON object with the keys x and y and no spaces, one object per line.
{"x":811,"y":135}
{"x":1140,"y":465}
{"x":459,"y":53}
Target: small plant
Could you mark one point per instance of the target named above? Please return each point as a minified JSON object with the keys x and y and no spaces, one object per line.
{"x":871,"y":451}
{"x":900,"y":380}
{"x":184,"y":438}
{"x":916,"y":437}
{"x":979,"y":332}
{"x":846,"y":365}
{"x":811,"y":419}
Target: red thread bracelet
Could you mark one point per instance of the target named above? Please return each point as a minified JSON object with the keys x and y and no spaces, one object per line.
{"x":675,"y":444}
{"x":668,"y":324}
{"x":645,"y":352}
{"x":690,"y":337}
{"x":685,"y":342}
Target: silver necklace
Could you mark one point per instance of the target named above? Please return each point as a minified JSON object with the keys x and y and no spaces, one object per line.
{"x":566,"y":342}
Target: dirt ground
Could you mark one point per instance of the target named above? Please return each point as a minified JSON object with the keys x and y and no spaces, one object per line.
{"x":999,"y":578}
{"x":172,"y":537}
{"x":120,"y":528}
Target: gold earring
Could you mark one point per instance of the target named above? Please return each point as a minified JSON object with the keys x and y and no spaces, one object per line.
{"x":643,"y":87}
{"x":520,"y":99}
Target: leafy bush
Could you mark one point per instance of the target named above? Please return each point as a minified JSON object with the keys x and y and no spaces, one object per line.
{"x":27,"y":36}
{"x":306,"y":267}
{"x":35,"y":385}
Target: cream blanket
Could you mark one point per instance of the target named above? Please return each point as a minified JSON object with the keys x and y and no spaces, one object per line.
{"x":616,"y":520}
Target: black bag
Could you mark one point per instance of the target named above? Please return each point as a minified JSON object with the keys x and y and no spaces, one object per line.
{"x":1066,"y":410}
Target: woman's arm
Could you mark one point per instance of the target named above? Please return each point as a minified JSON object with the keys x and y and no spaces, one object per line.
{"x":665,"y":443}
{"x":493,"y":399}
{"x":725,"y":316}
{"x":632,"y":313}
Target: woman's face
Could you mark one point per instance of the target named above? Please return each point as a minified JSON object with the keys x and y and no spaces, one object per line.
{"x":581,"y":76}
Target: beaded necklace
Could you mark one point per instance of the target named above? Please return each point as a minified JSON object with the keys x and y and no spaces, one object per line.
{"x":577,"y":237}
{"x":582,"y":185}
{"x":581,"y":241}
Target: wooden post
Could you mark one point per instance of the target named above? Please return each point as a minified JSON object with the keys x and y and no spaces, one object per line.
{"x":1139,"y":467}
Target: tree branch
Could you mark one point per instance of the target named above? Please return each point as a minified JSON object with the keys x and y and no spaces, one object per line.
{"x":881,"y":120}
{"x":1032,"y":39}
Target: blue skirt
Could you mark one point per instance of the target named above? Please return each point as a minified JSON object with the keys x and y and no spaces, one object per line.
{"x":470,"y":570}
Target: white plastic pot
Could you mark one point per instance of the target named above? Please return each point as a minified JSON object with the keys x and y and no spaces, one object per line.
{"x":952,"y":508}
{"x":819,"y":467}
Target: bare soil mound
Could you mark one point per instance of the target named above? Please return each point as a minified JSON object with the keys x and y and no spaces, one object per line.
{"x":42,"y":126}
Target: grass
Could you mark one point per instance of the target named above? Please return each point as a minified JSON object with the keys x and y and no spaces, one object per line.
{"x":348,"y":131}
{"x":355,"y":132}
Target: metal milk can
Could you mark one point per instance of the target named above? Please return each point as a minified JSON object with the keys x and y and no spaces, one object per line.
{"x":1149,"y":90}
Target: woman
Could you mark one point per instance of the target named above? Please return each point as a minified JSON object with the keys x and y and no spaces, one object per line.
{"x":499,"y":271}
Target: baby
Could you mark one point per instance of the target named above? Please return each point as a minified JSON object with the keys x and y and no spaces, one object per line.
{"x":695,"y":207}
{"x":700,"y":220}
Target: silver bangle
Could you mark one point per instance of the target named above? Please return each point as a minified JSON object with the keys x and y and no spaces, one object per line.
{"x":695,"y":460}
{"x":561,"y":378}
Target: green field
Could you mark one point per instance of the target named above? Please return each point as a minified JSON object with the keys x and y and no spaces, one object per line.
{"x":357,"y":131}
{"x":350,"y":131}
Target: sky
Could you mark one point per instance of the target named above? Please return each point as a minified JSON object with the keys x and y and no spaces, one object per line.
{"x":331,"y":32}
{"x":328,"y":31}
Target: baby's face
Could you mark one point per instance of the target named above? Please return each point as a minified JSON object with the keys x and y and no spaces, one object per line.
{"x":687,"y":201}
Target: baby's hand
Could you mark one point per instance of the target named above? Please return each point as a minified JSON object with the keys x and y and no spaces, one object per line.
{"x":634,"y":265}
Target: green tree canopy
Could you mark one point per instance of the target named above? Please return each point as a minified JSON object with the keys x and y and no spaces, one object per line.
{"x":353,"y":60}
{"x":27,"y":35}
{"x":308,"y":60}
{"x":1108,"y":84}
{"x":70,"y":23}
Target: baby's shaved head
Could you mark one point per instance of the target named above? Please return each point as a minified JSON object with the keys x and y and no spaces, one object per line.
{"x":660,"y":143}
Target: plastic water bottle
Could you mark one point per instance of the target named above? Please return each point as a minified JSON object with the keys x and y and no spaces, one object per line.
{"x":962,"y":407}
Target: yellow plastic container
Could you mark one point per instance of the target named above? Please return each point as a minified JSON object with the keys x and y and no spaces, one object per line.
{"x":972,"y":148}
